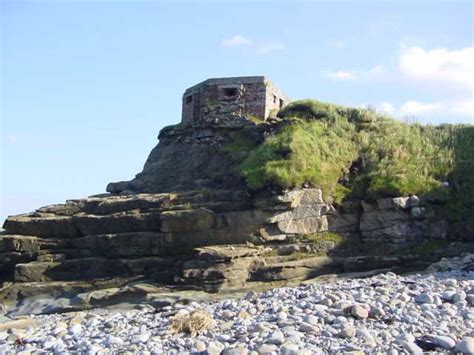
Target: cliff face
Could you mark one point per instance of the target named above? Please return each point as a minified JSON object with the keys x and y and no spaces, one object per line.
{"x":189,"y":220}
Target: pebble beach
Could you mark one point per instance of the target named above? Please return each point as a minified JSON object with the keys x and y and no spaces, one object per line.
{"x":386,"y":313}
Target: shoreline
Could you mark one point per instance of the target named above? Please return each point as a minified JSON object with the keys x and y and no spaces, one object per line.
{"x":385,"y":313}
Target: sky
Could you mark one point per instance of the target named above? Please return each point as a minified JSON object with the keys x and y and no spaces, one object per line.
{"x":87,"y":85}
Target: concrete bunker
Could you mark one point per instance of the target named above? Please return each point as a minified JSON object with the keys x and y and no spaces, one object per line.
{"x":231,"y":101}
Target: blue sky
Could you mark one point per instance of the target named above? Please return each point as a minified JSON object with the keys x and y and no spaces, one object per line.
{"x":87,"y":85}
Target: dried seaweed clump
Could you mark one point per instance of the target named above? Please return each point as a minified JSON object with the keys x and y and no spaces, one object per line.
{"x":193,"y":323}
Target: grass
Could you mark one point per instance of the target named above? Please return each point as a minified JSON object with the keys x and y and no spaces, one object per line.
{"x":357,"y":153}
{"x":323,"y":236}
{"x":318,"y":153}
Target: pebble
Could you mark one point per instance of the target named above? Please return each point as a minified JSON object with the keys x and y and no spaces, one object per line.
{"x":424,"y":298}
{"x":444,"y":341}
{"x":347,"y":332}
{"x":359,"y":312}
{"x":236,"y":351}
{"x":276,"y":338}
{"x":142,"y":337}
{"x":310,"y":319}
{"x":200,"y":346}
{"x":412,"y":348}
{"x":306,"y":327}
{"x":459,"y":297}
{"x":465,"y":346}
{"x":215,"y":348}
{"x":289,"y":349}
{"x":451,"y":282}
{"x":113,"y":340}
{"x":75,"y":329}
{"x":267,"y":349}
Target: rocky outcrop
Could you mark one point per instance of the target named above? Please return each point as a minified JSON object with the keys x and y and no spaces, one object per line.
{"x":213,"y":235}
{"x":189,"y":158}
{"x":109,"y":235}
{"x":219,"y":239}
{"x":390,"y":223}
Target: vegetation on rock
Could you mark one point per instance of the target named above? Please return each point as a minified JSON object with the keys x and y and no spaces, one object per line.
{"x":324,"y":237}
{"x":359,"y":153}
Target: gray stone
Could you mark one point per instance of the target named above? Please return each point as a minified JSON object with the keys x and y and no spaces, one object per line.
{"x":459,"y":296}
{"x":359,"y":312}
{"x":200,"y":346}
{"x":302,"y":197}
{"x":445,"y":342}
{"x":470,"y":300}
{"x":308,"y":328}
{"x":412,"y":348}
{"x":267,"y":349}
{"x":311,"y":319}
{"x":465,"y":345}
{"x":347,"y":332}
{"x":451,"y":282}
{"x":288,"y":249}
{"x":305,"y":225}
{"x":418,"y":212}
{"x":424,"y":298}
{"x":215,"y":348}
{"x":289,"y":349}
{"x":276,"y":338}
{"x":239,"y":350}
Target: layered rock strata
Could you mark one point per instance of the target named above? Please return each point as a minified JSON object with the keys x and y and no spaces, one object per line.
{"x":209,"y":240}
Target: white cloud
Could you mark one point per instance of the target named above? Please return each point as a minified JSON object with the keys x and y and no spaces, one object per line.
{"x":440,"y":65}
{"x":409,"y":108}
{"x":437,"y":108}
{"x":373,"y":73}
{"x":386,"y":107}
{"x":341,"y":75}
{"x":259,"y":47}
{"x":464,"y":108}
{"x":236,"y":41}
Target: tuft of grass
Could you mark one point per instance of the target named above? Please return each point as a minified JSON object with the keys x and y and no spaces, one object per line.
{"x":324,"y":236}
{"x":317,"y":110}
{"x":270,"y":252}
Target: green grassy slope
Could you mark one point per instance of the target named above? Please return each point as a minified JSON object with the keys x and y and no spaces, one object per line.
{"x":357,"y":153}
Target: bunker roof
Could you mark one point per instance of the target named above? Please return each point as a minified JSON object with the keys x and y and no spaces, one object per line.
{"x":228,"y":81}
